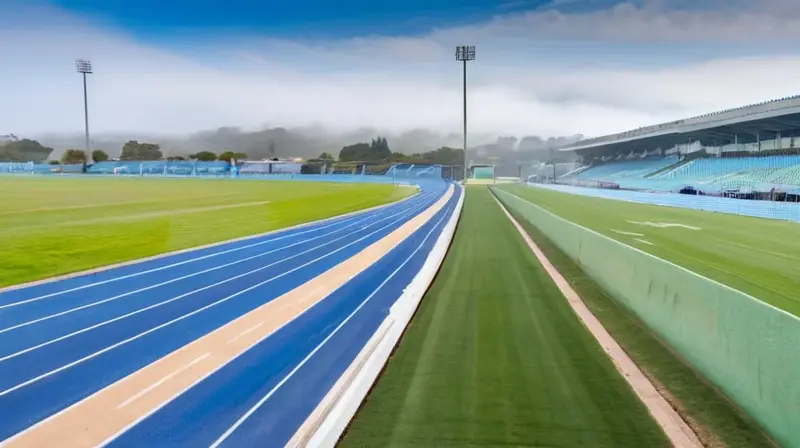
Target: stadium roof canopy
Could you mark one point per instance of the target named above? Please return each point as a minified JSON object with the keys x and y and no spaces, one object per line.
{"x":746,"y":124}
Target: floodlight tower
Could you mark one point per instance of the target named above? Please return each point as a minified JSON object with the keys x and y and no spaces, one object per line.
{"x":465,"y":53}
{"x":85,"y":68}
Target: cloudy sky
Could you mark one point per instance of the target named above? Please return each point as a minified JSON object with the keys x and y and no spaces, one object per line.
{"x":547,"y":68}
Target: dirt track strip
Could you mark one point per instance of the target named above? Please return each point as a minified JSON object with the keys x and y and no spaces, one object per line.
{"x":678,"y":432}
{"x":111,"y":411}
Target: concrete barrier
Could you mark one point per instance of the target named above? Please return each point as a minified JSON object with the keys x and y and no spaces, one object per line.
{"x":750,"y":350}
{"x":327,"y":423}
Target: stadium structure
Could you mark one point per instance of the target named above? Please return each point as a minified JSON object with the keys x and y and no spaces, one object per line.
{"x":750,"y":152}
{"x":287,"y":169}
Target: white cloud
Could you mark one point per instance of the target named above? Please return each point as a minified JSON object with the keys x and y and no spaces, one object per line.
{"x":397,"y":84}
{"x":726,"y":21}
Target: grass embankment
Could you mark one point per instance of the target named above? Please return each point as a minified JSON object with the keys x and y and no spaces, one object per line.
{"x":716,"y":421}
{"x":495,"y":356}
{"x":51,"y":226}
{"x":760,"y":257}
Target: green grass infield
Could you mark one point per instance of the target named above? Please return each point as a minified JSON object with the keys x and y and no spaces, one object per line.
{"x":53,"y":225}
{"x":495,"y":356}
{"x":760,"y":257}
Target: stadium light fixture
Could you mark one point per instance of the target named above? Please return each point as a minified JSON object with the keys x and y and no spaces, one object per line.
{"x":84,"y":67}
{"x":465,"y":53}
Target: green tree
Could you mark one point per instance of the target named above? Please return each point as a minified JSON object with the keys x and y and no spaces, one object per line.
{"x":24,"y":150}
{"x":204,"y":156}
{"x":380,"y":149}
{"x":398,"y":157}
{"x":134,"y":150}
{"x":73,"y":156}
{"x":98,"y":155}
{"x":325,"y":156}
{"x":355,"y":153}
{"x":445,"y":156}
{"x":230,"y":155}
{"x":8,"y":154}
{"x":375,"y":151}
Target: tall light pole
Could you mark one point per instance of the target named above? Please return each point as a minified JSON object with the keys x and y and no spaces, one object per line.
{"x":85,"y":68}
{"x":465,"y":53}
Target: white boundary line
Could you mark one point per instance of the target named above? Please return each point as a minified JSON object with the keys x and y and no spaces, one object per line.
{"x":199,"y":380}
{"x":189,"y":314}
{"x":205,"y":246}
{"x":674,"y":427}
{"x":353,"y":223}
{"x":648,"y":254}
{"x":402,"y":215}
{"x":325,"y":425}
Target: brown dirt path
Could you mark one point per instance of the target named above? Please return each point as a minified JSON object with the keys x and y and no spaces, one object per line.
{"x":677,"y":430}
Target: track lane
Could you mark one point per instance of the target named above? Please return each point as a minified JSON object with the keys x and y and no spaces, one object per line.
{"x":47,"y":395}
{"x":30,"y":333}
{"x":117,"y":277}
{"x":42,"y":362}
{"x":262,"y":397}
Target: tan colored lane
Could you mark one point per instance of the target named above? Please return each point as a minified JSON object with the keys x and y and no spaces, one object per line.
{"x":112,"y":410}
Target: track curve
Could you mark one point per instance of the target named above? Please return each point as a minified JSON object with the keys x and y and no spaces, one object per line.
{"x":66,"y":345}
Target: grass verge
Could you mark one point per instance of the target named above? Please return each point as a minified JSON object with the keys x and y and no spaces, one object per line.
{"x":716,"y":421}
{"x":52,"y":226}
{"x":760,"y":257}
{"x":495,"y":356}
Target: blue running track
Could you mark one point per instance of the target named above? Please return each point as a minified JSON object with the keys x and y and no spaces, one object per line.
{"x":64,"y":340}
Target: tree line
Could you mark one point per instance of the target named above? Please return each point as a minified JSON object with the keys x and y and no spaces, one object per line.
{"x":375,"y":151}
{"x":378,"y":151}
{"x":134,"y":150}
{"x":24,"y":150}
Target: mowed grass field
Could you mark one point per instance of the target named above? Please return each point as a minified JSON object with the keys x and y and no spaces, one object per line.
{"x":716,"y":421}
{"x":52,"y":225}
{"x":495,"y":356}
{"x":760,"y":257}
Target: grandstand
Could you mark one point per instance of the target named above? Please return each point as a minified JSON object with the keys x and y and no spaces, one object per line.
{"x":628,"y":169}
{"x":749,"y":152}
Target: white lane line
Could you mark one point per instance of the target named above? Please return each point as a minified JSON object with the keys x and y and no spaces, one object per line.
{"x":258,"y":325}
{"x":108,"y":204}
{"x":664,"y":225}
{"x":187,"y":315}
{"x":622,"y":232}
{"x":159,"y":304}
{"x":142,"y":417}
{"x":644,"y":241}
{"x":269,"y":394}
{"x":134,"y":217}
{"x":680,"y":434}
{"x":161,"y":381}
{"x":245,"y":332}
{"x":194,"y":274}
{"x":203,"y":257}
{"x":177,"y":394}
